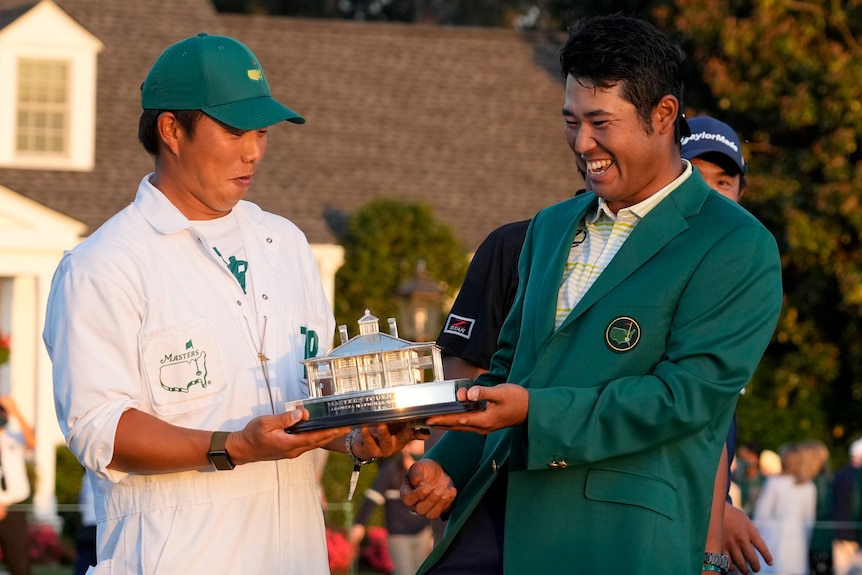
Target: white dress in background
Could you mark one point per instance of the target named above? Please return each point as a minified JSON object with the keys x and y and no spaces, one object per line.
{"x":785,"y":515}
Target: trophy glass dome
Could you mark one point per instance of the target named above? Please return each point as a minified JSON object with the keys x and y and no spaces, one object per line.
{"x":372,"y":360}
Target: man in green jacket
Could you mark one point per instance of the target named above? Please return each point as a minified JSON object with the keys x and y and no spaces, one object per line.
{"x":643,"y":308}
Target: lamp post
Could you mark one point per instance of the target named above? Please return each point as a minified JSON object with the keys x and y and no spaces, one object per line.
{"x":419,"y":305}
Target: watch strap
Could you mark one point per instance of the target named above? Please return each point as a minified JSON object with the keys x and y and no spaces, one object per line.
{"x":218,"y":455}
{"x":717,"y":560}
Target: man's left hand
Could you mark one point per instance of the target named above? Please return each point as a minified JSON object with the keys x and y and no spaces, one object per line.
{"x":506,"y":405}
{"x":386,"y":439}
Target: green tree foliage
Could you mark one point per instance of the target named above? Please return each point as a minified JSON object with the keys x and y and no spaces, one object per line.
{"x":67,"y":484}
{"x":68,"y":476}
{"x":383,"y":242}
{"x":788,"y":76}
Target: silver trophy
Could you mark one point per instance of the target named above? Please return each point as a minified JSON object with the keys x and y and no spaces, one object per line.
{"x":377,"y":378}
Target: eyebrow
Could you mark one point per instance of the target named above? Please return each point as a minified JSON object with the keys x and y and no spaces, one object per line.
{"x":591,"y":114}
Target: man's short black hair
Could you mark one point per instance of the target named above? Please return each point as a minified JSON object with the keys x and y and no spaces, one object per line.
{"x":604,"y":51}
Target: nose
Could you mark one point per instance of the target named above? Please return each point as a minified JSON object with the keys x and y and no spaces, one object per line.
{"x":583,"y":140}
{"x":254,"y":146}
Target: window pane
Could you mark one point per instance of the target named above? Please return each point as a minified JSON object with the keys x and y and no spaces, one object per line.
{"x":42,"y":107}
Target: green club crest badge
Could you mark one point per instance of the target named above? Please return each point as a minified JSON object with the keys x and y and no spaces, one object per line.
{"x":623,"y":334}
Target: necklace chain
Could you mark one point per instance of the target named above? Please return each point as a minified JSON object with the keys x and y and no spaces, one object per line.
{"x":261,"y":356}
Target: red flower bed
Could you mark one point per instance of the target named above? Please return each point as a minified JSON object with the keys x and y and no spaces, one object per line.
{"x":45,"y":546}
{"x":340,"y":556}
{"x":374,"y":551}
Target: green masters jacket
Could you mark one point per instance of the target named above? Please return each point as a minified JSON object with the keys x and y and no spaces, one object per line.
{"x":632,"y":398}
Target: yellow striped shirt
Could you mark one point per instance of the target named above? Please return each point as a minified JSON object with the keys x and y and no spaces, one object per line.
{"x":598,"y":239}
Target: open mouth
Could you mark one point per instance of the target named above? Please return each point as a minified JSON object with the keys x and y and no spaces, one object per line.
{"x":598,"y":167}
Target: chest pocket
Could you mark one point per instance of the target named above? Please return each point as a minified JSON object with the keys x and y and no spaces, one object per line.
{"x":182,"y":368}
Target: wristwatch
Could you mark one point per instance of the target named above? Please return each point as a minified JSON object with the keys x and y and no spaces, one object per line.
{"x":718,"y":560}
{"x":217,"y":454}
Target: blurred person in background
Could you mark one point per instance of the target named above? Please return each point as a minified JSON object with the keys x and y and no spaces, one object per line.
{"x":846,"y":512}
{"x":16,"y":439}
{"x":786,"y":509}
{"x":820,"y":544}
{"x":409,"y":535}
{"x":771,"y":463}
{"x":748,"y":475}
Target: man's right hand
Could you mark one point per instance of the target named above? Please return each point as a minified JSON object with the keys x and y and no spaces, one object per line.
{"x":427,"y":489}
{"x":264,"y":438}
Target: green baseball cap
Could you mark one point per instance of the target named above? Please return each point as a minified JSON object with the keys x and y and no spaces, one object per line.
{"x":219,"y":76}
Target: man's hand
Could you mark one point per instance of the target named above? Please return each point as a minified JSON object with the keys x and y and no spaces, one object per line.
{"x":264,"y":438}
{"x":386,"y":439}
{"x":427,"y":489}
{"x":506,"y":405}
{"x":741,"y":538}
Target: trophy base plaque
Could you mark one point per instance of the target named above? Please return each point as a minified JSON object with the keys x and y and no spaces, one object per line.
{"x":385,"y":405}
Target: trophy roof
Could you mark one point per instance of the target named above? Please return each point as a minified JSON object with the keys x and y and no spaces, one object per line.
{"x":375,"y":343}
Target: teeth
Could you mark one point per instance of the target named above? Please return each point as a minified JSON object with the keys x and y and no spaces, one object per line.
{"x":598,"y":165}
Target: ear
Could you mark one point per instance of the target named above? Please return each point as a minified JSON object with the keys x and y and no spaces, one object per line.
{"x":665,"y":114}
{"x":168,"y":129}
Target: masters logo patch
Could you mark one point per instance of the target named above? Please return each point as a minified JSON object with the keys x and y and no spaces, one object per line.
{"x":460,"y":326}
{"x":623,"y":334}
{"x":181,"y":370}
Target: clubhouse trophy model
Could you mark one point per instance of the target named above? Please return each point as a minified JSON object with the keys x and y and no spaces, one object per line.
{"x":377,"y":378}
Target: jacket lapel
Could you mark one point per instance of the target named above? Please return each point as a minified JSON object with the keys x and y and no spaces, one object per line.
{"x":663,"y":223}
{"x":557,"y":246}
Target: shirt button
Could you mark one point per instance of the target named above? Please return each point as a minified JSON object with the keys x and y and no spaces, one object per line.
{"x":239,"y":303}
{"x":269,"y":240}
{"x":264,"y":296}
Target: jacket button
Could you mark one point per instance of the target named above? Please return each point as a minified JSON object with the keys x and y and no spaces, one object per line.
{"x":553,"y":464}
{"x":563,"y":464}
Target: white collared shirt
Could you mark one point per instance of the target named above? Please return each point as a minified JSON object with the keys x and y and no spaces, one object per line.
{"x":145,"y":315}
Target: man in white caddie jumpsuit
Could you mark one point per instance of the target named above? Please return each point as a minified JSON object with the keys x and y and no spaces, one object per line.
{"x":176,"y":332}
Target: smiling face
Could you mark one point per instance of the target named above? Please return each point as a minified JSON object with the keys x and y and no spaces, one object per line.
{"x":626,"y":161}
{"x":205,"y":174}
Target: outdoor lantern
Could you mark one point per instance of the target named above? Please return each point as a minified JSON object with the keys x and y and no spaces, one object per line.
{"x":419,"y":301}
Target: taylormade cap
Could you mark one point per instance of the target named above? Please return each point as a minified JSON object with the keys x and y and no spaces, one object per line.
{"x":219,"y":76}
{"x":711,"y":135}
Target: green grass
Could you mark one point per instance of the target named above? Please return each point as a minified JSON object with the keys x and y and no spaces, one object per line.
{"x":52,"y":570}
